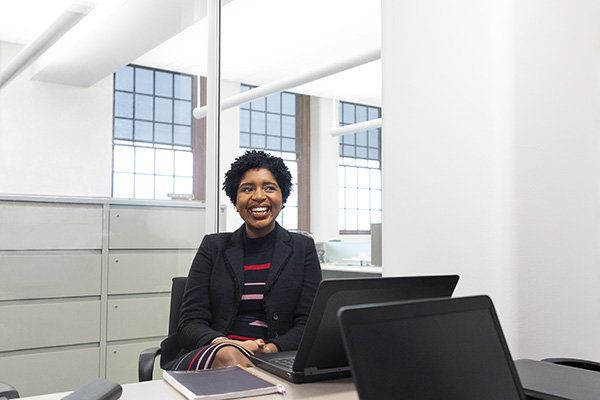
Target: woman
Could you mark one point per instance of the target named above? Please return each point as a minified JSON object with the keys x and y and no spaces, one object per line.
{"x":250,"y":291}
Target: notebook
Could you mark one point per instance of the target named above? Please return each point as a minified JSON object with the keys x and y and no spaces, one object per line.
{"x":431,"y":349}
{"x":321,"y":353}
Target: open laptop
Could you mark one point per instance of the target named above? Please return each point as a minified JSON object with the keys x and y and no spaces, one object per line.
{"x":430,"y":349}
{"x":321,"y":353}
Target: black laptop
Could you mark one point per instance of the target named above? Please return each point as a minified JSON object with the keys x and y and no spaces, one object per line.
{"x":321,"y":353}
{"x":429,"y":349}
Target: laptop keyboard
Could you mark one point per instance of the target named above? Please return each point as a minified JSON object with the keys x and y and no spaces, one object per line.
{"x":286,"y":362}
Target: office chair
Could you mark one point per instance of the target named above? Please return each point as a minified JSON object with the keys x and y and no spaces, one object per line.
{"x":8,"y":392}
{"x":147,"y":356}
{"x":575,"y":363}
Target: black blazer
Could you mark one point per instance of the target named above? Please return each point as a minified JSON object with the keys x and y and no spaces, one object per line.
{"x":215,"y":284}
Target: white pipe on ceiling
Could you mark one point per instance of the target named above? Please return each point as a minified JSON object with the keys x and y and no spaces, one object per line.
{"x":358,"y":127}
{"x":65,"y":21}
{"x":293,"y":81}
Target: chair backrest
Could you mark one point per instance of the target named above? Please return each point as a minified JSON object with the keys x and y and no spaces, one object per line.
{"x":177,"y":289}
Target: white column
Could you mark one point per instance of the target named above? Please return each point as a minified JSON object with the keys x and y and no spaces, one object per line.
{"x":492,"y":170}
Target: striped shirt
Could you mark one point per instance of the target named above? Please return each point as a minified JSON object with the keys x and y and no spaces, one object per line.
{"x":251,"y":321}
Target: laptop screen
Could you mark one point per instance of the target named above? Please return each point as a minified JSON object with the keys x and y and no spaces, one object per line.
{"x":452,"y":348}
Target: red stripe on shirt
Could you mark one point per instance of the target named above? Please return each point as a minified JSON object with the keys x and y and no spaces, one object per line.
{"x":255,"y":267}
{"x":236,"y":337}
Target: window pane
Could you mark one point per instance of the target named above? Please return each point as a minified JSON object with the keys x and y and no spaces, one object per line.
{"x":351,"y":177}
{"x":292,"y":199}
{"x":290,"y":217}
{"x":143,"y":107}
{"x":273,"y":143}
{"x":363,"y":199}
{"x":289,"y":126}
{"x":123,"y":105}
{"x":274,"y":103}
{"x":257,"y":141}
{"x":184,"y":164}
{"x":258,"y":104}
{"x":375,"y":178}
{"x":341,"y":219}
{"x":123,"y":185}
{"x":373,"y":154}
{"x":123,"y":128}
{"x":143,"y":131}
{"x":124,"y":79}
{"x":123,"y":159}
{"x":361,"y":138}
{"x":348,"y":113}
{"x":164,"y":186}
{"x":351,"y":220}
{"x":375,"y":217}
{"x":361,"y":152}
{"x":164,"y":110}
{"x":144,"y":186}
{"x":363,"y":178}
{"x":258,"y":122}
{"x":351,"y":198}
{"x":183,"y":112}
{"x":341,"y":176}
{"x":163,"y":133}
{"x":183,"y":185}
{"x":361,"y":113}
{"x":144,"y":160}
{"x":164,"y":162}
{"x":164,"y":84}
{"x":373,"y":113}
{"x":373,"y":138}
{"x":364,"y":223}
{"x":293,"y":167}
{"x":288,"y":103}
{"x":183,"y":87}
{"x":376,"y":199}
{"x":144,"y":81}
{"x":273,"y":124}
{"x":349,"y":151}
{"x":182,"y":135}
{"x":244,"y":140}
{"x":288,"y":144}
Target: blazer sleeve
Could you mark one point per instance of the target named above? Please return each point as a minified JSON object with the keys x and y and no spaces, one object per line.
{"x":290,"y":340}
{"x":196,"y":317}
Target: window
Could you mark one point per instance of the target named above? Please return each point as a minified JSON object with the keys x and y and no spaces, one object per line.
{"x":273,"y":124}
{"x":359,"y":171}
{"x":153,"y":133}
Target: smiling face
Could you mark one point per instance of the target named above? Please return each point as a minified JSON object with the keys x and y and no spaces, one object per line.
{"x":259,"y":201}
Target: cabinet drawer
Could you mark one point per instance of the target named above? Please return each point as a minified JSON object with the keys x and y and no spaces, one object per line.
{"x":122,"y":361}
{"x":49,"y":276}
{"x":146,"y":272}
{"x":138,"y":317}
{"x":50,"y":371}
{"x":156,"y":227}
{"x":28,"y":325}
{"x":27,"y":226}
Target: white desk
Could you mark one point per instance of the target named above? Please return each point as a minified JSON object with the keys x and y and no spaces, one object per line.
{"x":338,"y":389}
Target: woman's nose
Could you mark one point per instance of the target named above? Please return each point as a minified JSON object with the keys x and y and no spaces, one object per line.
{"x":258,"y":194}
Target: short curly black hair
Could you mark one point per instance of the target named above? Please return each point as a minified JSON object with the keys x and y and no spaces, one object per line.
{"x":255,"y":159}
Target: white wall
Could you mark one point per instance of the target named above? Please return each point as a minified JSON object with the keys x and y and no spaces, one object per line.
{"x":490,"y":160}
{"x":55,"y":139}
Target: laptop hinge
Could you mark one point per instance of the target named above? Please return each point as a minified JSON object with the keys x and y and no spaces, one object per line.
{"x":317,"y":371}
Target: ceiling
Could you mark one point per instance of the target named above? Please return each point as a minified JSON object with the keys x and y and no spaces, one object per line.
{"x":262,"y":40}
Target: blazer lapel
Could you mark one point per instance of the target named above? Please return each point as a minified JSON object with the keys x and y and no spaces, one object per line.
{"x":281,"y":255}
{"x":234,"y":259}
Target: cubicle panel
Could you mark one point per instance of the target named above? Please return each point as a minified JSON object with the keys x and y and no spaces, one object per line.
{"x":50,"y":370}
{"x":131,"y":317}
{"x":156,"y":227}
{"x":34,"y":324}
{"x":56,"y":226}
{"x":122,"y":361}
{"x":33,"y":276}
{"x":146,"y":271}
